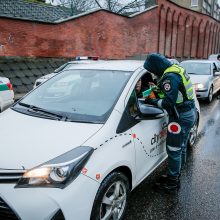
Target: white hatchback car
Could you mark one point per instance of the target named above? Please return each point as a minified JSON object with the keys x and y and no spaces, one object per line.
{"x":81,"y":142}
{"x":85,"y":60}
{"x":6,"y":93}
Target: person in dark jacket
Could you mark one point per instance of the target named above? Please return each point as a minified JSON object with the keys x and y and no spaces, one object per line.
{"x":176,"y":96}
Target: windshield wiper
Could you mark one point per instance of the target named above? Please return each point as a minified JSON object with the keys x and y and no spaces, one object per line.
{"x":43,"y":112}
{"x":194,"y":73}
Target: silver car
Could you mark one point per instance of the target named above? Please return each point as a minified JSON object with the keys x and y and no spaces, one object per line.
{"x":205,"y":76}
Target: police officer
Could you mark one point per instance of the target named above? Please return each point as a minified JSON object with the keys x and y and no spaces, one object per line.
{"x":175,"y":93}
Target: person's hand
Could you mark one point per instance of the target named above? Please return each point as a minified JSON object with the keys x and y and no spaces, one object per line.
{"x":151,"y":101}
{"x":151,"y":84}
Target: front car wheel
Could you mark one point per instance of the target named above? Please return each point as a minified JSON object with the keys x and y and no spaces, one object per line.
{"x":210,"y":95}
{"x":193,"y":133}
{"x":111,"y":199}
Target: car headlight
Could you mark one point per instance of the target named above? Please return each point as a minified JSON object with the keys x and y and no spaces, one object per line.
{"x":199,"y":86}
{"x":58,"y":172}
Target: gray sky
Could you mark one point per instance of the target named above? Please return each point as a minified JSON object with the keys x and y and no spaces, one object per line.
{"x":126,"y":0}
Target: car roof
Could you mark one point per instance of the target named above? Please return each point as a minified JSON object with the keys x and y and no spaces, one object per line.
{"x":199,"y":61}
{"x":121,"y":65}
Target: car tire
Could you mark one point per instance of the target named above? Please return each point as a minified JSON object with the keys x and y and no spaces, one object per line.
{"x":111,"y":198}
{"x":193,"y":133}
{"x":210,"y":95}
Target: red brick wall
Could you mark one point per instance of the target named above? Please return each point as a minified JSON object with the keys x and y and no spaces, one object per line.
{"x":192,"y":34}
{"x":168,"y":29}
{"x":101,"y":33}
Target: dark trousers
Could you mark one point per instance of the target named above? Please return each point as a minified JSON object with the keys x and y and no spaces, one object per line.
{"x":177,"y":142}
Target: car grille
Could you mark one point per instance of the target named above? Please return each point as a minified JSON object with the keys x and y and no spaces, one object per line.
{"x":10,"y":176}
{"x":6,"y":212}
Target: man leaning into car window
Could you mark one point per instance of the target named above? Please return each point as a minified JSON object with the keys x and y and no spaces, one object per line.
{"x":175,"y":93}
{"x":141,"y":86}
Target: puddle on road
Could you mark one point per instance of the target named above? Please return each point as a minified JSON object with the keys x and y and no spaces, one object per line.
{"x":210,"y":123}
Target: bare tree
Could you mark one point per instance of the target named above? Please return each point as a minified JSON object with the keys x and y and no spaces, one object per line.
{"x":118,"y":6}
{"x":76,"y":6}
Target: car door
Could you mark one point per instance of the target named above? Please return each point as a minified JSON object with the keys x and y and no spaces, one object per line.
{"x":216,"y":78}
{"x":149,"y":137}
{"x":217,"y":72}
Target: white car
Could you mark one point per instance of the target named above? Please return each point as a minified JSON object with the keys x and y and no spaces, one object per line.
{"x":6,"y":93}
{"x":81,"y":142}
{"x":79,"y":60}
{"x":205,"y":76}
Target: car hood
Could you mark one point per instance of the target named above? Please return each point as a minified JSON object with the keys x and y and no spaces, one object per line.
{"x":27,"y":141}
{"x":199,"y":78}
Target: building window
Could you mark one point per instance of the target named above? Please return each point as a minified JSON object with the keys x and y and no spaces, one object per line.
{"x":194,"y":2}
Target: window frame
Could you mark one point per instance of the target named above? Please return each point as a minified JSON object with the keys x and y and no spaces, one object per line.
{"x":194,"y":4}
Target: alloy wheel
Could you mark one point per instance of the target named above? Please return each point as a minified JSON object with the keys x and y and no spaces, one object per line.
{"x":210,"y":95}
{"x":114,"y":202}
{"x":193,"y":135}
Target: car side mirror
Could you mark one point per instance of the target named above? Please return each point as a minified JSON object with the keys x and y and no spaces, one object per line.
{"x":149,"y":111}
{"x":216,"y":73}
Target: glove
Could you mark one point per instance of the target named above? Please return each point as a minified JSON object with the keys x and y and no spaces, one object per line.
{"x":151,"y":101}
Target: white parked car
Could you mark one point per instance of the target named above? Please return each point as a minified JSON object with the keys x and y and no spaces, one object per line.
{"x":205,"y":76}
{"x":79,"y":60}
{"x":6,"y":93}
{"x":81,"y":142}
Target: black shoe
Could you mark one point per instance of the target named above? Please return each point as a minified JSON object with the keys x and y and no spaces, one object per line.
{"x":163,"y":178}
{"x":167,"y":184}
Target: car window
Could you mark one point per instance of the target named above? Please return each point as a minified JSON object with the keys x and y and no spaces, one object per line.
{"x":82,"y":95}
{"x":215,"y":69}
{"x":217,"y":64}
{"x":141,"y":85}
{"x":197,"y":68}
{"x":132,"y":104}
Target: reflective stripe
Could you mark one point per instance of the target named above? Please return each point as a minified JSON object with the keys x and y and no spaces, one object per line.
{"x":173,"y":148}
{"x":159,"y":103}
{"x":179,"y":98}
{"x":190,"y":93}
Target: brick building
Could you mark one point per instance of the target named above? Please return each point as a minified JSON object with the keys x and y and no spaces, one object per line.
{"x":209,"y":7}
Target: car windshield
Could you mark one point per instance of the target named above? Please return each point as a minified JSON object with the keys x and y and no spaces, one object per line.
{"x":197,"y":68}
{"x":79,"y":95}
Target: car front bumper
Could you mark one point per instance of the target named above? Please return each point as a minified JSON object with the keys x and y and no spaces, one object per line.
{"x":202,"y":94}
{"x":75,"y":201}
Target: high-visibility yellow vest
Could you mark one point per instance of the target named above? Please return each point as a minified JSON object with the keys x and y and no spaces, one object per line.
{"x":186,"y":82}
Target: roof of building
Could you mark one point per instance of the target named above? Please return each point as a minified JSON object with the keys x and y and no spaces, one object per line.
{"x":24,"y":9}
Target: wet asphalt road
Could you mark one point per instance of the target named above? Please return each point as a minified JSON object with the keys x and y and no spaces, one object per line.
{"x":199,"y":196}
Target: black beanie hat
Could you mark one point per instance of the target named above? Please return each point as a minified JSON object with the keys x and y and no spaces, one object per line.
{"x":156,"y":64}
